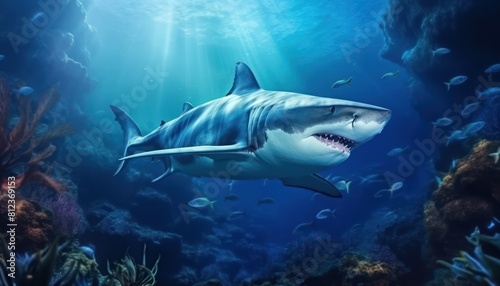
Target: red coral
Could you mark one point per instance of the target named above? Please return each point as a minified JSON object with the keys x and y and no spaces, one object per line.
{"x":20,"y":146}
{"x":34,"y":225}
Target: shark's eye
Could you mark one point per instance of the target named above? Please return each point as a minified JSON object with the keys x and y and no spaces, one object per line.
{"x":332,"y":110}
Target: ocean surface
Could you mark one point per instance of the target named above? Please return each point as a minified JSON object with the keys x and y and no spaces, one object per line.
{"x":410,"y":195}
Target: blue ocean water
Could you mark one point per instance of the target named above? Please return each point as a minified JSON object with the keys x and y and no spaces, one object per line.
{"x":150,"y":57}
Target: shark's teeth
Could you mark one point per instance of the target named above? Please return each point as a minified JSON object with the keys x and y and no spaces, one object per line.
{"x":336,"y":141}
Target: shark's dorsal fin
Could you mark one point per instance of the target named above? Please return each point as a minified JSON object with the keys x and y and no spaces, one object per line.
{"x":244,"y":80}
{"x":186,"y":107}
{"x":162,"y":122}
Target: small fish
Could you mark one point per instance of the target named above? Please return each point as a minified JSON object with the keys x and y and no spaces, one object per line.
{"x":267,"y":201}
{"x":491,"y":225}
{"x":231,"y":197}
{"x":38,"y":16}
{"x":303,"y":227}
{"x":371,"y":178}
{"x":474,"y":127}
{"x":325,"y":213}
{"x":201,"y":203}
{"x":231,"y":185}
{"x":25,"y":90}
{"x":456,"y":135}
{"x":88,"y":251}
{"x":469,"y":109}
{"x":212,"y":239}
{"x":2,"y":57}
{"x":396,"y":151}
{"x":334,"y":178}
{"x":440,"y":51}
{"x":453,"y":165}
{"x":439,"y":181}
{"x":342,"y":82}
{"x":495,"y":156}
{"x":343,"y":185}
{"x":406,"y":55}
{"x":492,"y":69}
{"x":235,"y":215}
{"x":390,"y":74}
{"x":490,"y":92}
{"x":394,"y":187}
{"x":456,"y":81}
{"x":445,"y":121}
{"x":314,"y":196}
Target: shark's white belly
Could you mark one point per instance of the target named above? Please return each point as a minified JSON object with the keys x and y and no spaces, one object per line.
{"x":238,"y":168}
{"x":243,"y":167}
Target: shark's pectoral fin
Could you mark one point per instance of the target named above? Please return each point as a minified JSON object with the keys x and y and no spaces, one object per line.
{"x":165,"y":174}
{"x":193,"y":150}
{"x":315,"y":183}
{"x":168,"y":169}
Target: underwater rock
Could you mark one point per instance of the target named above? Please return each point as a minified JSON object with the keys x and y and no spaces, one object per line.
{"x":149,"y":205}
{"x":114,"y":230}
{"x":34,"y":228}
{"x":185,"y":277}
{"x":404,"y":237}
{"x":194,"y":225}
{"x":416,"y":28}
{"x":468,"y":197}
{"x":211,"y":282}
{"x":52,"y":37}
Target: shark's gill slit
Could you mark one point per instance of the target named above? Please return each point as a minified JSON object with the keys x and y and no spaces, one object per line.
{"x":354,"y":117}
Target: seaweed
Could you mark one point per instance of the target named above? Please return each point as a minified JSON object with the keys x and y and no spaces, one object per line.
{"x":35,"y":269}
{"x":22,"y":151}
{"x":129,"y":273}
{"x":479,"y":268}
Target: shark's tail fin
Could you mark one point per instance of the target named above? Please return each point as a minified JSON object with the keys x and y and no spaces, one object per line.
{"x":130,"y":130}
{"x":349,"y":80}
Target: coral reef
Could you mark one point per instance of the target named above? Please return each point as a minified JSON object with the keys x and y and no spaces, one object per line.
{"x":71,"y":257}
{"x":468,"y":196}
{"x":53,"y":37}
{"x":356,"y":270}
{"x":34,"y":225}
{"x":67,"y":215}
{"x":22,"y":151}
{"x":412,"y":29}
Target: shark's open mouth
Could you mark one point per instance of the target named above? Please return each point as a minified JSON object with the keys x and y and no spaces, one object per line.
{"x":336,"y":141}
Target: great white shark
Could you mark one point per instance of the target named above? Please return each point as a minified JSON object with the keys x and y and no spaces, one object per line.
{"x":252,"y":133}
